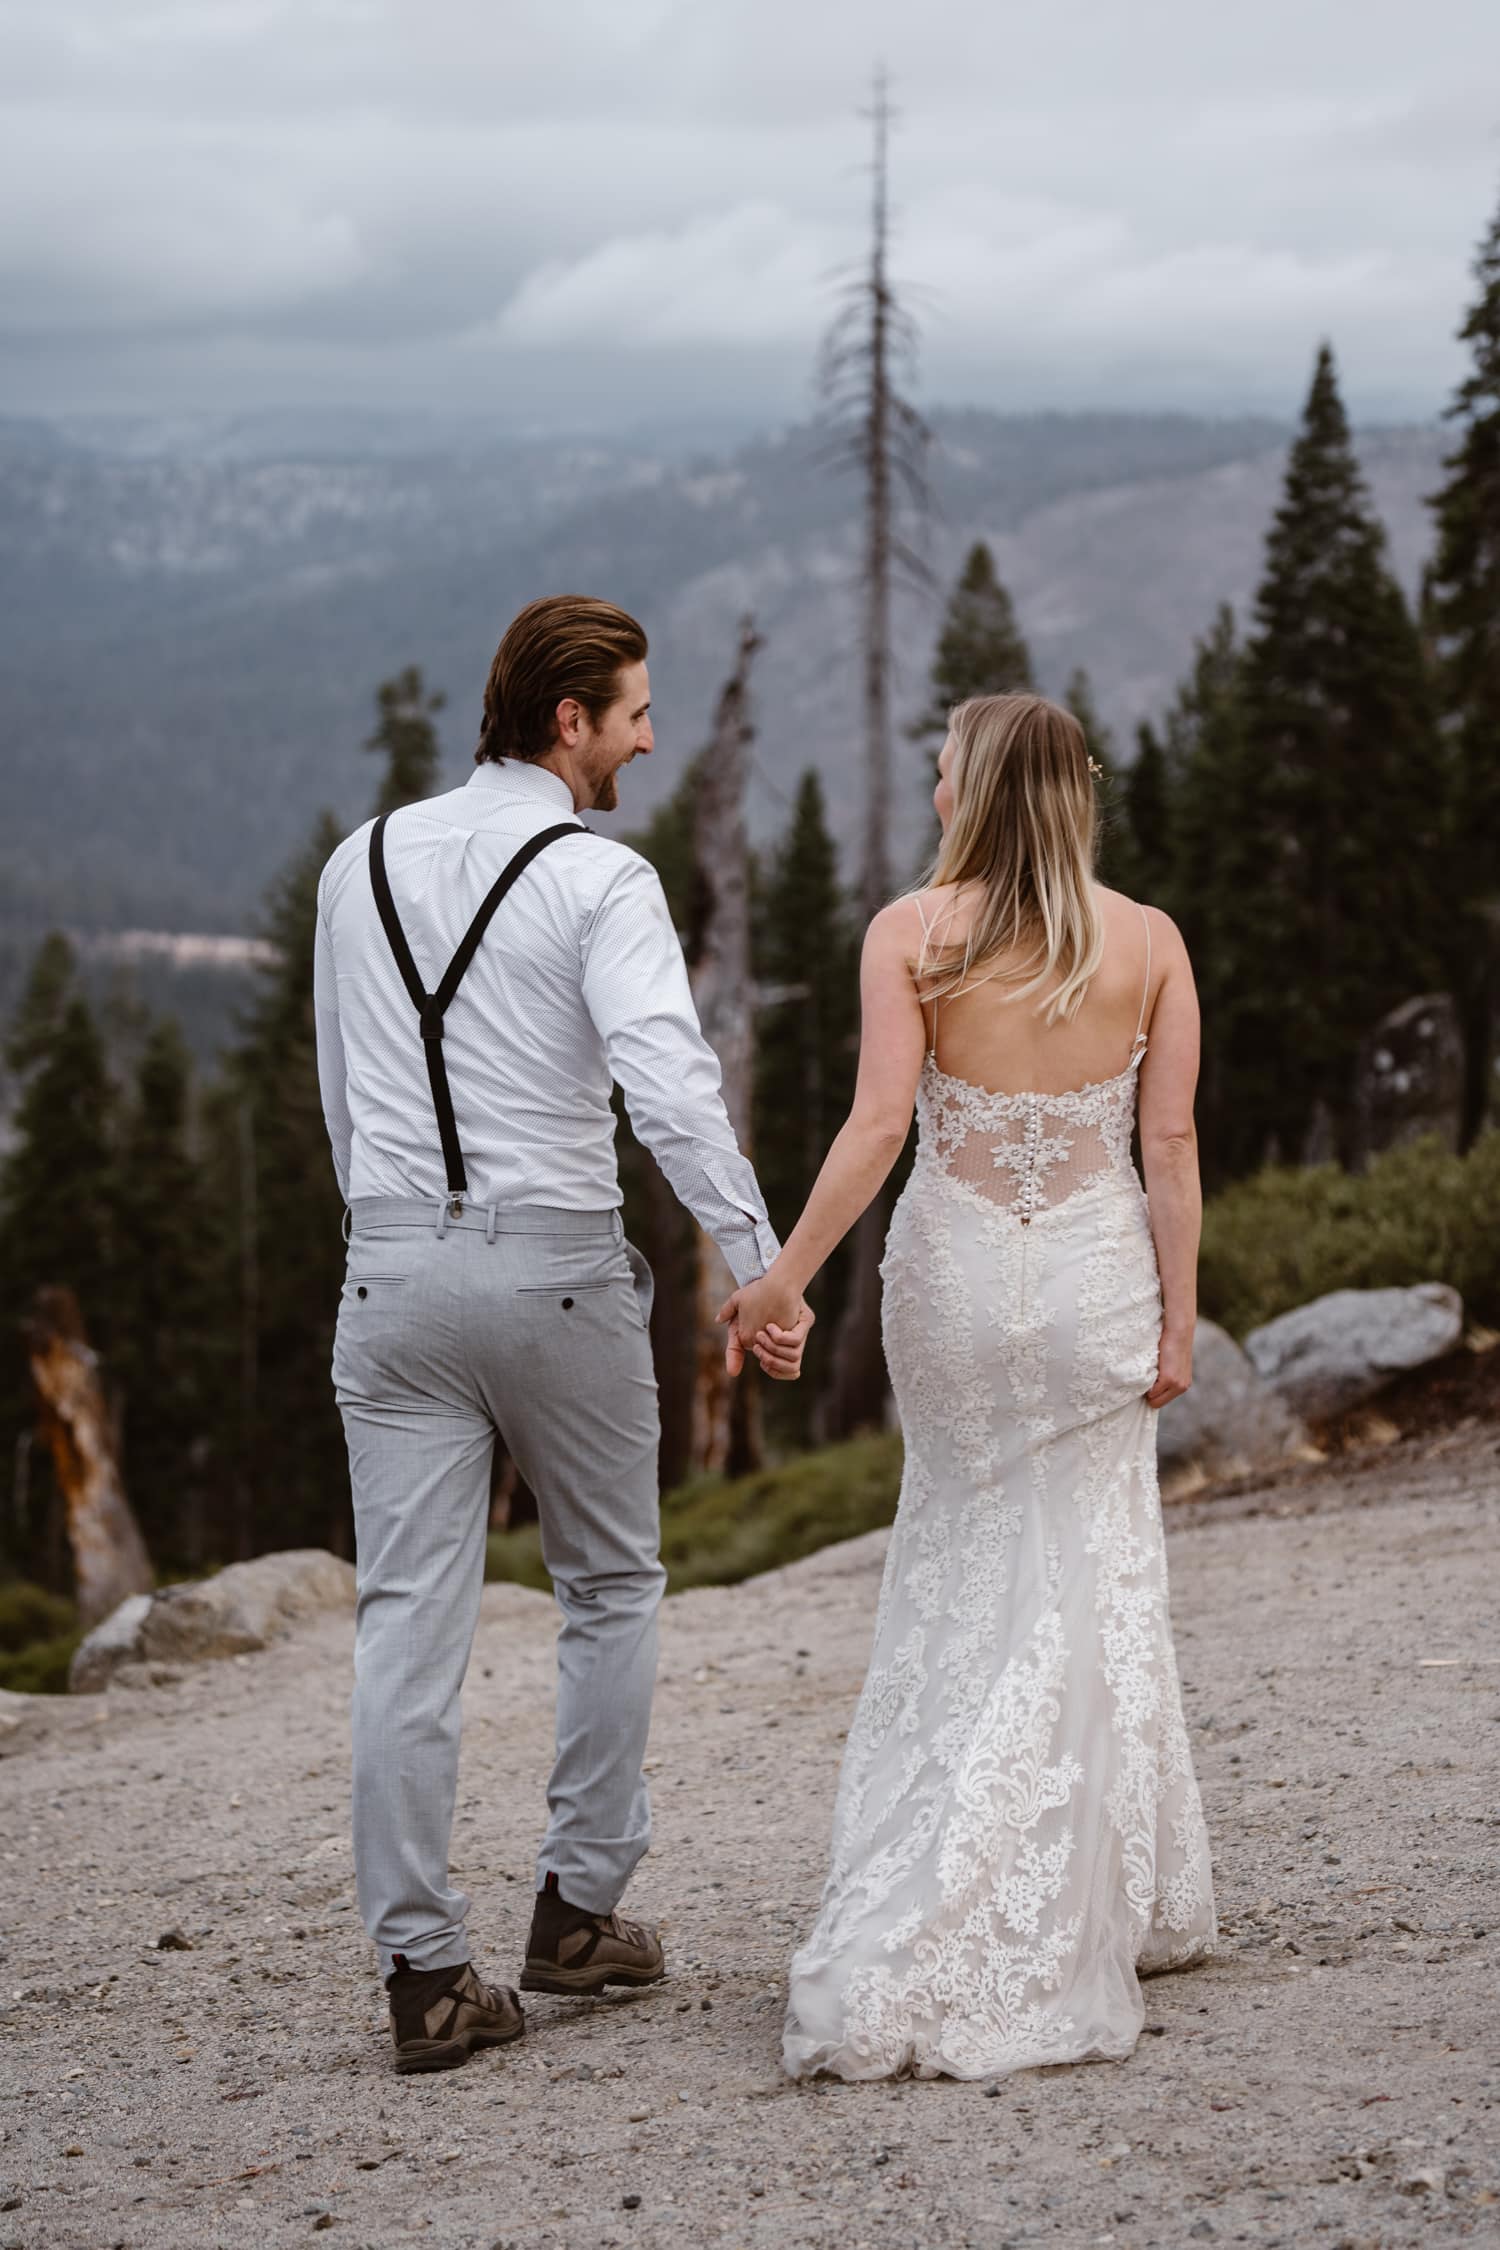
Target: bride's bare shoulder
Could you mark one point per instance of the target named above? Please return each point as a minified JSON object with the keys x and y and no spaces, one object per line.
{"x":1120,"y":903}
{"x":917,"y":921}
{"x":945,"y":903}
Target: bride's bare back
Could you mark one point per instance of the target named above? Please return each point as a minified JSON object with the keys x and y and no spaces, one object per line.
{"x":1005,"y":1045}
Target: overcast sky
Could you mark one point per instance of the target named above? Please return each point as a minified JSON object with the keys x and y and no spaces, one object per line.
{"x":603,"y":213}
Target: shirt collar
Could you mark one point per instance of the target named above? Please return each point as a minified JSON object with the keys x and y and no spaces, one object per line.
{"x":522,"y":775}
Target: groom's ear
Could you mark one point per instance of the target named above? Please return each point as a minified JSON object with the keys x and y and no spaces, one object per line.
{"x":568,"y":719}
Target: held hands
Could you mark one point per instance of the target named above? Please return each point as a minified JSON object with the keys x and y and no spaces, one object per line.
{"x":1174,"y":1368}
{"x":772,"y":1322}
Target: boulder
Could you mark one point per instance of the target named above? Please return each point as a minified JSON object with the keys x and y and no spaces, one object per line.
{"x":237,"y":1610}
{"x":1229,"y":1422}
{"x":1409,"y":1080}
{"x":115,"y":1640}
{"x":1341,"y":1349}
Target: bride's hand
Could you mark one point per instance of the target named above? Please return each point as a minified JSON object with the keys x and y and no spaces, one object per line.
{"x":772,"y":1321}
{"x":1174,"y":1368}
{"x":778,"y":1349}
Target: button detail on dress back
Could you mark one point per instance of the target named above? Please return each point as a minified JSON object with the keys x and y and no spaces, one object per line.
{"x":1025,"y":1152}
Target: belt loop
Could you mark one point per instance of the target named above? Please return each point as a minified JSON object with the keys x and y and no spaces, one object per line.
{"x":442,"y":1218}
{"x":346,"y":1225}
{"x":619,"y":1225}
{"x":489,"y":1230}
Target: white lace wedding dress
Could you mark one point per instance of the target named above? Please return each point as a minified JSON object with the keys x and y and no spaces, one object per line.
{"x":1018,"y":1836}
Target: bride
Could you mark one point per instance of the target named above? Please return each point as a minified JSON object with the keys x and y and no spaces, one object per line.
{"x":1018,"y":1836}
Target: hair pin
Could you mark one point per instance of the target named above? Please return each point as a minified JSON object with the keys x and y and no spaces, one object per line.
{"x":1096,"y":769}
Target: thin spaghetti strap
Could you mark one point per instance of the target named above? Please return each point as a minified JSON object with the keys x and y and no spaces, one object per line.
{"x":1140,"y":1026}
{"x":926,"y":934}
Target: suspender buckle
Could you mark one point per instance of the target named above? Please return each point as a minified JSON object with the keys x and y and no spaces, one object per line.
{"x":455,"y":1206}
{"x":431,"y":1019}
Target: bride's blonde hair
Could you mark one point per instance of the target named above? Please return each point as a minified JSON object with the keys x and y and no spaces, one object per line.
{"x":1025,"y":828}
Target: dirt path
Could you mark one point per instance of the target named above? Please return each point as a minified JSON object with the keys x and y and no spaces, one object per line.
{"x":1331,"y":2078}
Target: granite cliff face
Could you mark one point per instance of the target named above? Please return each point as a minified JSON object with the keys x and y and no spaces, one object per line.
{"x":193,"y":616}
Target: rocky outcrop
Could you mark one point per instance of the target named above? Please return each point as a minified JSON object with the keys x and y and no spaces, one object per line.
{"x":1409,"y":1080}
{"x":239,"y":1609}
{"x":1340,"y":1350}
{"x":1230,"y":1422}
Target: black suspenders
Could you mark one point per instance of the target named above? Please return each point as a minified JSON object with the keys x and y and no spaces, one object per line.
{"x":432,"y":1006}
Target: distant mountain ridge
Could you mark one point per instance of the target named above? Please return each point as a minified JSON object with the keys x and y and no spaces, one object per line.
{"x":194,"y":615}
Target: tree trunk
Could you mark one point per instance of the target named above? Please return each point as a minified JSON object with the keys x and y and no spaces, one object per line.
{"x":674,"y":1318}
{"x":857,"y":1393}
{"x":1479,"y":1005}
{"x":110,"y":1561}
{"x":726,"y":1418}
{"x":249,"y":1335}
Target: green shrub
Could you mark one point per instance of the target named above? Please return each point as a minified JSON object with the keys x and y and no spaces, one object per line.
{"x":714,"y":1531}
{"x":41,"y":1669}
{"x":1418,"y":1214}
{"x":29,"y":1613}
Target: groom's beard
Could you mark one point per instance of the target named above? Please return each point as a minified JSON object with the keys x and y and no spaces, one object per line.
{"x":606,"y":795}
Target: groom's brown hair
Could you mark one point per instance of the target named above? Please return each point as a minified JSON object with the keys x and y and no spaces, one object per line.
{"x":563,"y":645}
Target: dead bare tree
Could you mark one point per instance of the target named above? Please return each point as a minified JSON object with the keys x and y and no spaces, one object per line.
{"x":726,"y":1420}
{"x":109,"y":1555}
{"x":878,"y":433}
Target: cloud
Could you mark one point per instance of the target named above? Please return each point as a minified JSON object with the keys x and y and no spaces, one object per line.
{"x":190,"y":238}
{"x":626,"y":204}
{"x":747,"y":275}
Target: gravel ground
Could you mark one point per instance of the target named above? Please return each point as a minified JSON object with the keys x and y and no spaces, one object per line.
{"x":1331,"y":2077}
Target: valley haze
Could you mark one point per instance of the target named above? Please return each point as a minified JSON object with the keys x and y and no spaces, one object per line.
{"x":195,"y":610}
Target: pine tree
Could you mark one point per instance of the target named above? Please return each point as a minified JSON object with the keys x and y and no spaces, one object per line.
{"x":1146,"y":794}
{"x":667,"y":841}
{"x":281,"y":1252}
{"x":48,"y":988}
{"x":57,"y":1217}
{"x":652,"y":1215}
{"x":171,"y":1323}
{"x":1339,"y":718}
{"x":807,"y":967}
{"x":1463,"y":607}
{"x":1078,"y":696}
{"x":406,"y":738}
{"x":1115,"y":857}
{"x":980,"y":648}
{"x":1212,"y":890}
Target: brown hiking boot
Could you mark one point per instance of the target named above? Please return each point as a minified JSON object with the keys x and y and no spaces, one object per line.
{"x":438,"y":2016}
{"x":572,"y":1951}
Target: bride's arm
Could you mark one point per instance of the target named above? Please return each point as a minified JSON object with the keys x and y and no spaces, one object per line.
{"x":1169,"y":1158}
{"x":892,"y":1040}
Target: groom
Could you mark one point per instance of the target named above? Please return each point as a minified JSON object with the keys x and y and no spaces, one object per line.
{"x":485,"y":967}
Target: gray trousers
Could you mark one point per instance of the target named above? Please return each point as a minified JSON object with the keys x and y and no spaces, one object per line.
{"x":531,"y":1324}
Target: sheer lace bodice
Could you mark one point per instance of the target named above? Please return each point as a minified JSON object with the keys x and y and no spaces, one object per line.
{"x":1026,"y":1152}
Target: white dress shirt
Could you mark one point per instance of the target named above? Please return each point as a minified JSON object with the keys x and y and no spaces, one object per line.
{"x":578,"y":980}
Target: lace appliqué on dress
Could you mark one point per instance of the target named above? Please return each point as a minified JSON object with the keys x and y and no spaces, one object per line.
{"x":1018,"y":1834}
